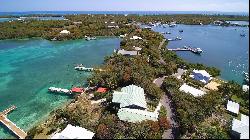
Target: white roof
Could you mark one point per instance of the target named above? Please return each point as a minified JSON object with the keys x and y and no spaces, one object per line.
{"x":130,"y":95}
{"x":233,"y":107}
{"x":124,"y":52}
{"x":245,"y":88}
{"x":135,"y":37}
{"x":202,"y":72}
{"x":136,"y":115}
{"x":241,"y":126}
{"x":188,"y":89}
{"x":137,"y":48}
{"x":74,"y":132}
{"x":64,"y":32}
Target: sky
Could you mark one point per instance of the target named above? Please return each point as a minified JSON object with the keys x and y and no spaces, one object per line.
{"x":124,"y":5}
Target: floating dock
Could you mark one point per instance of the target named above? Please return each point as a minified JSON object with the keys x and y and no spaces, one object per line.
{"x":12,"y":127}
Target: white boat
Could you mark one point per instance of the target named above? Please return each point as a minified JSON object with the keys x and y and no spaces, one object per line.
{"x":199,"y":50}
{"x":178,"y":38}
{"x":59,"y":90}
{"x":82,"y":68}
{"x":172,"y":25}
{"x":90,"y":38}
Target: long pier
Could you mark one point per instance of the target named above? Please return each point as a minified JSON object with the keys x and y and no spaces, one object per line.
{"x":5,"y":121}
{"x":186,"y":49}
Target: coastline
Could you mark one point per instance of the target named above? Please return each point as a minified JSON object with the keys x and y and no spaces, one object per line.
{"x":52,"y":113}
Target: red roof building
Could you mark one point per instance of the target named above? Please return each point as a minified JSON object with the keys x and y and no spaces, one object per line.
{"x":102,"y":90}
{"x":77,"y":90}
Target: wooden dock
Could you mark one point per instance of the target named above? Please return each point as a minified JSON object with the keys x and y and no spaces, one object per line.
{"x":5,"y":121}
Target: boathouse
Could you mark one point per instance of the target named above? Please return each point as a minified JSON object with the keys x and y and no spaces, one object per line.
{"x":74,"y":132}
{"x":101,"y":90}
{"x":77,"y":90}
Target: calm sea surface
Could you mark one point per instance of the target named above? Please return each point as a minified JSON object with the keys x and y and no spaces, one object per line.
{"x":29,"y":67}
{"x":35,"y":18}
{"x":124,"y":12}
{"x":223,"y":47}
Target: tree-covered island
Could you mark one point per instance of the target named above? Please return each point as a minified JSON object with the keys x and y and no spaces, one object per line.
{"x":203,"y":117}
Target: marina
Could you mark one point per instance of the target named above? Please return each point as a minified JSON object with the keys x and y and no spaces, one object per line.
{"x":223,"y":47}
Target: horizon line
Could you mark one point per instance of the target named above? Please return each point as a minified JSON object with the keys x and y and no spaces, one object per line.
{"x":122,"y":11}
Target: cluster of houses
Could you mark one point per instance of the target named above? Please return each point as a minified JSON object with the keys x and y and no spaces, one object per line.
{"x":132,"y":108}
{"x":199,"y":75}
{"x":240,"y":128}
{"x":136,"y":50}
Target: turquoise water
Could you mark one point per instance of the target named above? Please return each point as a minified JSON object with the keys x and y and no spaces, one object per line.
{"x":223,"y":47}
{"x":29,"y":67}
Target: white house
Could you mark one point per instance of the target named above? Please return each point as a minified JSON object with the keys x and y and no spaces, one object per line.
{"x":201,"y":75}
{"x":233,"y":107}
{"x":74,"y":132}
{"x":188,"y":89}
{"x":133,"y":105}
{"x":65,"y":32}
{"x":135,"y":38}
{"x":137,"y":48}
{"x":113,"y":26}
{"x":245,"y":88}
{"x":122,"y":36}
{"x":130,"y":96}
{"x":241,"y":127}
{"x":124,"y":52}
{"x":136,"y":115}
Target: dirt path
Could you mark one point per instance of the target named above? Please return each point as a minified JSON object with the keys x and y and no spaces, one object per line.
{"x":166,"y":102}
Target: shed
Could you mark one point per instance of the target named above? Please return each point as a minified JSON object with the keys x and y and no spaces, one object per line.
{"x":77,"y":90}
{"x":102,"y":90}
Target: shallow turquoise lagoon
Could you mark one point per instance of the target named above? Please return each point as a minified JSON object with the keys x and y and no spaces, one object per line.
{"x":29,"y":67}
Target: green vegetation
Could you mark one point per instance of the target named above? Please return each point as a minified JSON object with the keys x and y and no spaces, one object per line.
{"x":198,"y":117}
{"x":233,"y":91}
{"x":95,"y":25}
